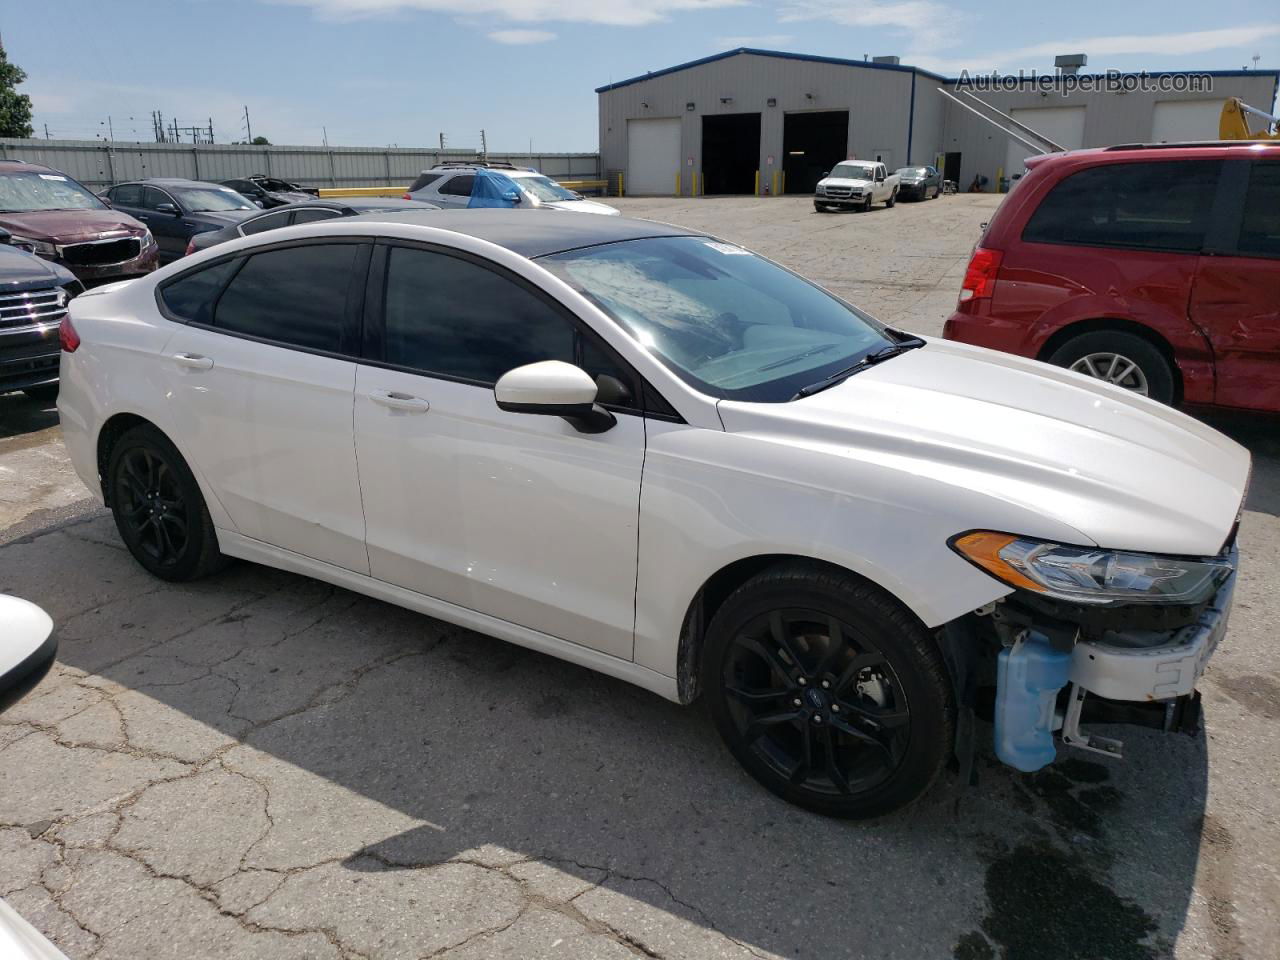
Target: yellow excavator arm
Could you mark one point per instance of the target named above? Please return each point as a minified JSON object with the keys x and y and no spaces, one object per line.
{"x":1237,"y":119}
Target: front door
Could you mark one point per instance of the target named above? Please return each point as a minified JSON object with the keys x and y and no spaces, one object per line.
{"x":263,"y":389}
{"x":169,"y":227}
{"x":517,"y":516}
{"x":1236,"y":299}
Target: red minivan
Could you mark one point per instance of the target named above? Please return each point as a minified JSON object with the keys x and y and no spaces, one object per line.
{"x":1154,"y":267}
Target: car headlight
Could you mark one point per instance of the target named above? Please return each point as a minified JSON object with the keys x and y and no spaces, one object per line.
{"x":42,"y":247}
{"x":147,"y":239}
{"x":1091,"y":574}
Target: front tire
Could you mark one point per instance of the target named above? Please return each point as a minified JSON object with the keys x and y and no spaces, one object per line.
{"x":158,"y":508}
{"x":829,"y":692}
{"x":819,"y":208}
{"x":1123,"y":359}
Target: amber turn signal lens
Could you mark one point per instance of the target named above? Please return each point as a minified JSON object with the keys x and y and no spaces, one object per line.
{"x":983,"y":548}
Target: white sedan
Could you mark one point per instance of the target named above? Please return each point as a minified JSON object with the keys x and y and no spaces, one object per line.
{"x":656,"y":454}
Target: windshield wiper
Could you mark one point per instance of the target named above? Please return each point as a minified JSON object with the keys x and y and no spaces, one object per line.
{"x":870,"y":360}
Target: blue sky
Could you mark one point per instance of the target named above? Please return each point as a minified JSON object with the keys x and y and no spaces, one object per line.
{"x":402,"y":71}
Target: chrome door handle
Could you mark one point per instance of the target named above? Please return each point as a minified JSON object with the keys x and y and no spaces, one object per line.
{"x":399,"y":401}
{"x":193,"y":361}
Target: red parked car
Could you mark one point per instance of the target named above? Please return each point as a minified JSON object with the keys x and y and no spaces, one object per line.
{"x":1154,"y":267}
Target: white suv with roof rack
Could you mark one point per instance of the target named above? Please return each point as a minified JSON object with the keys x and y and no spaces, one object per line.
{"x":449,"y":185}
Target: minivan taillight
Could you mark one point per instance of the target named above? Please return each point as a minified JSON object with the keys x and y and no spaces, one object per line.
{"x":67,"y":335}
{"x":980,"y":276}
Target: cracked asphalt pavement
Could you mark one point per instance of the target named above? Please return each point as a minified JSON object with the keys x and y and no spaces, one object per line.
{"x":261,"y":766}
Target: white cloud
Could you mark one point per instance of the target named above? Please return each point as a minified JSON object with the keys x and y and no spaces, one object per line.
{"x":761,"y":40}
{"x":522,"y":36}
{"x":621,"y":13}
{"x":1158,"y":44}
{"x":928,"y":23}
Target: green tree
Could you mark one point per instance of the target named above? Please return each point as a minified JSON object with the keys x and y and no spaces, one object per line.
{"x":261,"y":142}
{"x":15,"y":107}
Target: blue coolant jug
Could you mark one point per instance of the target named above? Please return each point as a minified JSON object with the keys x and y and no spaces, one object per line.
{"x":1030,"y":674}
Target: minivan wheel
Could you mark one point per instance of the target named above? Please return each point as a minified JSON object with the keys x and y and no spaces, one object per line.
{"x":828,"y":692}
{"x":1123,"y":359}
{"x":158,"y":507}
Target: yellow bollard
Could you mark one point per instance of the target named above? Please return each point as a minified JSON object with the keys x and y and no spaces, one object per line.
{"x":677,"y":183}
{"x":757,"y":183}
{"x":775,"y":183}
{"x":999,"y":179}
{"x":621,"y":192}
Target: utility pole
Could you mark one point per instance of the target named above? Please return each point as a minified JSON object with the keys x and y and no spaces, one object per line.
{"x":442,"y":140}
{"x":484,"y":146}
{"x":325,"y":130}
{"x":248,"y":130}
{"x":46,"y":131}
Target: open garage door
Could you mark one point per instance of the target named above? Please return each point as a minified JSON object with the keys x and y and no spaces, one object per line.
{"x":812,"y":143}
{"x":1063,"y":125}
{"x":653,"y":156}
{"x":1175,"y":121}
{"x":730,"y":153}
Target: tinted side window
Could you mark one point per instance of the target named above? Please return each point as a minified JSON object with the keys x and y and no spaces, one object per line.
{"x":152,"y":198}
{"x":191,"y":296}
{"x":297,"y":295}
{"x":459,"y":186}
{"x":269,"y":222}
{"x":129,"y":195}
{"x":1152,"y":206}
{"x":456,"y":318}
{"x":424,"y":180}
{"x":310,"y":216}
{"x":1260,"y":227}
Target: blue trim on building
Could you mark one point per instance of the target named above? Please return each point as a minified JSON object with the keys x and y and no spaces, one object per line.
{"x":914,"y":71}
{"x":769,"y":53}
{"x":911,"y":118}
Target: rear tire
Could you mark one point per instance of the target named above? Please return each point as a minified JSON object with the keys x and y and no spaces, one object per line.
{"x":1125,"y":359}
{"x":893,"y":198}
{"x":45,"y":393}
{"x":828,"y":692}
{"x":158,"y":507}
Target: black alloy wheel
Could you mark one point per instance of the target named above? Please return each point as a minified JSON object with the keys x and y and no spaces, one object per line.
{"x":828,"y":691}
{"x":158,"y":508}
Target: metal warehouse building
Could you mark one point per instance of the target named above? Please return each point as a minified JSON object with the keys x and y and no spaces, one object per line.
{"x":759,"y":121}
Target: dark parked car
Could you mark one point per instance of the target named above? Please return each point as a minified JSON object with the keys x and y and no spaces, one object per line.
{"x":276,"y":185}
{"x":266,"y":198}
{"x":1154,"y":267}
{"x":176,"y":210}
{"x":51,"y":215}
{"x":918,"y":183}
{"x":306,"y":212}
{"x":33,"y":300}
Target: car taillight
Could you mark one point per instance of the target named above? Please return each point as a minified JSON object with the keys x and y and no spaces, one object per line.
{"x":407,"y":196}
{"x":980,"y":276}
{"x":191,"y":247}
{"x":67,"y":335}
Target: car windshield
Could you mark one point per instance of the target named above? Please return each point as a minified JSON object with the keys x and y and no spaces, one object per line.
{"x":854,"y":171}
{"x":545,"y":189}
{"x":22,"y":192}
{"x":724,"y":320}
{"x":211,"y":199}
{"x":911,"y":172}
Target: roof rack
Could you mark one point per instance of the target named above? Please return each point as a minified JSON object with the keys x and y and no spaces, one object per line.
{"x":1190,"y":143}
{"x":493,"y":164}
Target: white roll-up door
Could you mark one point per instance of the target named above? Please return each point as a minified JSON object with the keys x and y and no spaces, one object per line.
{"x":1062,"y":125}
{"x":1174,"y":121}
{"x":653,"y":156}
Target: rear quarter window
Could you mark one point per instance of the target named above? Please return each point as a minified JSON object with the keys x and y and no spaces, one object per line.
{"x":191,"y":297}
{"x":424,"y":180}
{"x":1145,"y":206}
{"x":1260,"y":226}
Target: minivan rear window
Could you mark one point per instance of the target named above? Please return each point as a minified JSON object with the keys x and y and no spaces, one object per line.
{"x":1144,"y":206}
{"x":1260,"y":228}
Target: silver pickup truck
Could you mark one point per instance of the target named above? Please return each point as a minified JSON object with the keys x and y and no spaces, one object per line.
{"x":856,"y":184}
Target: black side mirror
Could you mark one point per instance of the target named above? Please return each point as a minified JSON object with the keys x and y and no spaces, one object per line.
{"x":5,"y":235}
{"x":168,"y":208}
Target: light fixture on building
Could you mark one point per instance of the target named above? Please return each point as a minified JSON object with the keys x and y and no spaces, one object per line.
{"x":726,"y":99}
{"x":690,"y":106}
{"x":644,"y":104}
{"x":772,"y":101}
{"x":808,"y":96}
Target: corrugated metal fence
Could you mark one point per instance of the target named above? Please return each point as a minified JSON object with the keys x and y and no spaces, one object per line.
{"x":97,"y":164}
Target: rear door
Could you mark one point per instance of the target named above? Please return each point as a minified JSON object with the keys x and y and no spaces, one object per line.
{"x":262,"y":375}
{"x":455,"y":191}
{"x":1236,"y":297}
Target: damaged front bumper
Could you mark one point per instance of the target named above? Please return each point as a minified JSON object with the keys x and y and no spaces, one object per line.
{"x":1055,"y":674}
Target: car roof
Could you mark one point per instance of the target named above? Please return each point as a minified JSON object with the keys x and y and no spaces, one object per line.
{"x":535,"y":233}
{"x":378,"y":203}
{"x":21,"y":166}
{"x":1120,"y":153}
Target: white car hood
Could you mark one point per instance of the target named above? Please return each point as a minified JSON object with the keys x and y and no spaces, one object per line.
{"x":1126,"y":472}
{"x":583,"y":206}
{"x":845,"y":182}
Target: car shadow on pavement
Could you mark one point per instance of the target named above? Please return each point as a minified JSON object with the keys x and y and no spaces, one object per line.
{"x":385,"y":743}
{"x":20,"y":414}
